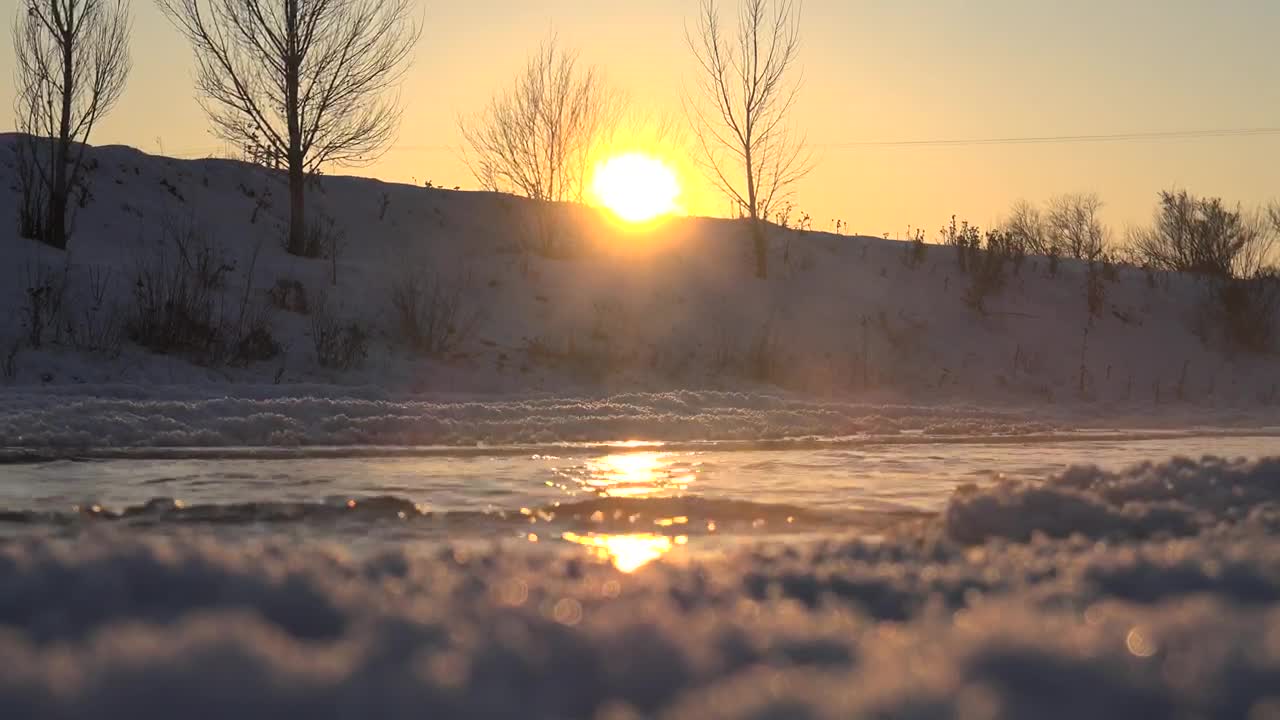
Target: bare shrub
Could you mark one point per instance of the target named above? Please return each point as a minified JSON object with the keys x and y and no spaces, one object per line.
{"x":322,"y":238}
{"x":338,"y":345}
{"x":1233,"y":248}
{"x":176,"y":309}
{"x":1201,"y":235}
{"x":803,"y":223}
{"x":255,"y":341}
{"x":916,"y":250}
{"x":1012,"y":247}
{"x":1073,"y":227}
{"x":179,"y":304}
{"x":430,"y":312}
{"x":45,"y":291}
{"x":99,"y":281}
{"x":1026,"y":227}
{"x":987,"y":269}
{"x":99,"y":330}
{"x":1246,"y":310}
{"x":289,"y":295}
{"x":99,"y":326}
{"x":9,"y":361}
{"x":965,"y":238}
{"x":207,"y":263}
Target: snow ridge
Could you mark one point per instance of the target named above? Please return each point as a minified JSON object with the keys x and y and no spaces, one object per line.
{"x":194,"y":417}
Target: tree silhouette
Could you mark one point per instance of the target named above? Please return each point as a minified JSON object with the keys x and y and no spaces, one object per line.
{"x":741,"y":109}
{"x":307,"y":79}
{"x":72,"y":64}
{"x":537,"y":137}
{"x":1204,"y":236}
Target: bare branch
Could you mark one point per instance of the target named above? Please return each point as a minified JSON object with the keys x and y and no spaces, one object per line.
{"x":312,"y":80}
{"x":72,"y":64}
{"x":740,"y":108}
{"x":537,"y":137}
{"x":1204,"y":236}
{"x":1073,"y":226}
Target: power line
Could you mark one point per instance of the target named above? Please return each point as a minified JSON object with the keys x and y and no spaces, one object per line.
{"x":1063,"y":139}
{"x":1154,"y":136}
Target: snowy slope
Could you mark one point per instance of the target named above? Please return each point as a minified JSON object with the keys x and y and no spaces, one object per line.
{"x":612,"y":309}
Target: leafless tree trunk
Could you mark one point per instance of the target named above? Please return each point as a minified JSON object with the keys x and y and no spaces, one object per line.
{"x":537,"y":137}
{"x":742,"y":108}
{"x":72,"y":62}
{"x":307,"y":79}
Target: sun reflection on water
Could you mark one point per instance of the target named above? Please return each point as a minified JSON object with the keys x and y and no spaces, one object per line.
{"x":634,"y":474}
{"x":628,"y":553}
{"x":630,"y":474}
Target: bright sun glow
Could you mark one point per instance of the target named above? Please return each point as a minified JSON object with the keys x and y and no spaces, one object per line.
{"x":640,"y":474}
{"x":636,"y":187}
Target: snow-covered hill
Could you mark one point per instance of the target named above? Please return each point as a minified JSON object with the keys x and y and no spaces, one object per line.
{"x":562,"y":299}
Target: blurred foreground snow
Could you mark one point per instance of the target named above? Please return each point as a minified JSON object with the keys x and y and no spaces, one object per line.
{"x":1153,"y":592}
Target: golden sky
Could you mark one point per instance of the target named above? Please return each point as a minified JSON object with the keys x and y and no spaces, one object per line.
{"x":875,"y":71}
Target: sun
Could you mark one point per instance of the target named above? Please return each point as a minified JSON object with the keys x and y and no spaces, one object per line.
{"x":636,"y":187}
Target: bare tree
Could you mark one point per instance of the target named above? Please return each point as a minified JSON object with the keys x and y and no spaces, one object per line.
{"x":1026,"y":227}
{"x":537,"y":137}
{"x":307,"y":79}
{"x":1201,"y":235}
{"x":72,"y":63}
{"x":740,"y":117}
{"x":1073,"y":226}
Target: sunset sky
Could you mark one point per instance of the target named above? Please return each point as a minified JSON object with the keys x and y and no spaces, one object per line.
{"x":875,"y":71}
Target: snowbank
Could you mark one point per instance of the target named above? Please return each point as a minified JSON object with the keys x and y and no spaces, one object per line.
{"x":132,"y":625}
{"x":1181,"y":497}
{"x":117,"y":418}
{"x":128,"y":417}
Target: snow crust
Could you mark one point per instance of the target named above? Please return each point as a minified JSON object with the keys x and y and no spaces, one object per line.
{"x":120,"y":417}
{"x":124,"y":416}
{"x":1181,"y":497}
